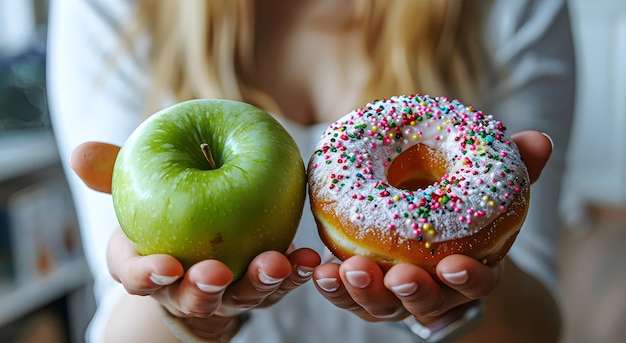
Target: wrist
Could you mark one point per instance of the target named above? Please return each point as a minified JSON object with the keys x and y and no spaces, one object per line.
{"x":214,"y":329}
{"x":450,"y":325}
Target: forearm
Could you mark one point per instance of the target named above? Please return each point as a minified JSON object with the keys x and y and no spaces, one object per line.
{"x":141,"y":319}
{"x":137,"y":319}
{"x":520,"y":309}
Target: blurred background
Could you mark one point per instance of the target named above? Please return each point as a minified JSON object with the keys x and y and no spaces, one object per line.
{"x":45,"y":285}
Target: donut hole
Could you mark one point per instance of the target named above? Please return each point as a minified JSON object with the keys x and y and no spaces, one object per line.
{"x":417,"y":168}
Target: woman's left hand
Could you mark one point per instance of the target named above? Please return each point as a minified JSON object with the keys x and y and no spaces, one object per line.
{"x":359,"y":285}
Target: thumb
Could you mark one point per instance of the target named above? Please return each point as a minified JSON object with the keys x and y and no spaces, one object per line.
{"x":93,"y":162}
{"x":535,"y":148}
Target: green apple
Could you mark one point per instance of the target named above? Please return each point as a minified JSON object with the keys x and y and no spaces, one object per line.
{"x":209,"y":179}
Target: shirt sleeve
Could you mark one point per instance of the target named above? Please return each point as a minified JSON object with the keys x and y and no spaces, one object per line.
{"x":535,"y":89}
{"x":94,"y":95}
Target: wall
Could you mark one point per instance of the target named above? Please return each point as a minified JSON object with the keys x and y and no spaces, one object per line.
{"x":597,"y":159}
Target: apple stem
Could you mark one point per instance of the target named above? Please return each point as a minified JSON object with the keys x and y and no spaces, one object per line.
{"x":207,"y":154}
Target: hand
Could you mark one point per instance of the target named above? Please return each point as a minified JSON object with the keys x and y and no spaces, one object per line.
{"x":359,"y":285}
{"x":206,"y":289}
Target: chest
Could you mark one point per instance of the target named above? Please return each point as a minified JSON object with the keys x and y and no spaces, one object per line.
{"x":312,"y":76}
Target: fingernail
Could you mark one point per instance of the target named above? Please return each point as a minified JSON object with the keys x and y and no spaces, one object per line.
{"x":457,"y":278}
{"x":304,"y":271}
{"x":162,"y":280}
{"x":398,"y":312}
{"x":358,"y":279}
{"x":328,"y":284}
{"x":549,"y":138}
{"x":209,"y":288}
{"x":405,"y":290}
{"x":328,"y":257}
{"x":269,"y":281}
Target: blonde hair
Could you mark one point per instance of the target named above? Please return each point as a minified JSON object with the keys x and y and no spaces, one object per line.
{"x":200,"y":49}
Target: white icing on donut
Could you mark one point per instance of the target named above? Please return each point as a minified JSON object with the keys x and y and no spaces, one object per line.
{"x":349,"y":168}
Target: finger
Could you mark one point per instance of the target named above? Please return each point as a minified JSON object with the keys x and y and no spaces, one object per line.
{"x":199,"y":294}
{"x":535,"y":148}
{"x":93,"y":162}
{"x":303,"y":262}
{"x":328,"y":283}
{"x":418,"y":291}
{"x":468,"y":276}
{"x":140,"y":275}
{"x":263,"y":277}
{"x":363,"y":280}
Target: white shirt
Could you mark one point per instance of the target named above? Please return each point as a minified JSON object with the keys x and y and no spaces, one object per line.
{"x":89,"y":102}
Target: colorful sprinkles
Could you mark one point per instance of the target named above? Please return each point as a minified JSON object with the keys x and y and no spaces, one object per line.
{"x":350,"y":164}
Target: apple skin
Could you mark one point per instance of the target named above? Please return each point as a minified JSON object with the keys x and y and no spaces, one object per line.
{"x":168,"y":200}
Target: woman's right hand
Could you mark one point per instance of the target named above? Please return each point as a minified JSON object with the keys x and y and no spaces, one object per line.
{"x":206,"y":289}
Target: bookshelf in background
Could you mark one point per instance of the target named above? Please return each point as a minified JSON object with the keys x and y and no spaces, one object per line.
{"x":42,"y":265}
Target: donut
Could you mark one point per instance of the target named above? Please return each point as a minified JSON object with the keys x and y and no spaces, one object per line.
{"x":416,"y":178}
